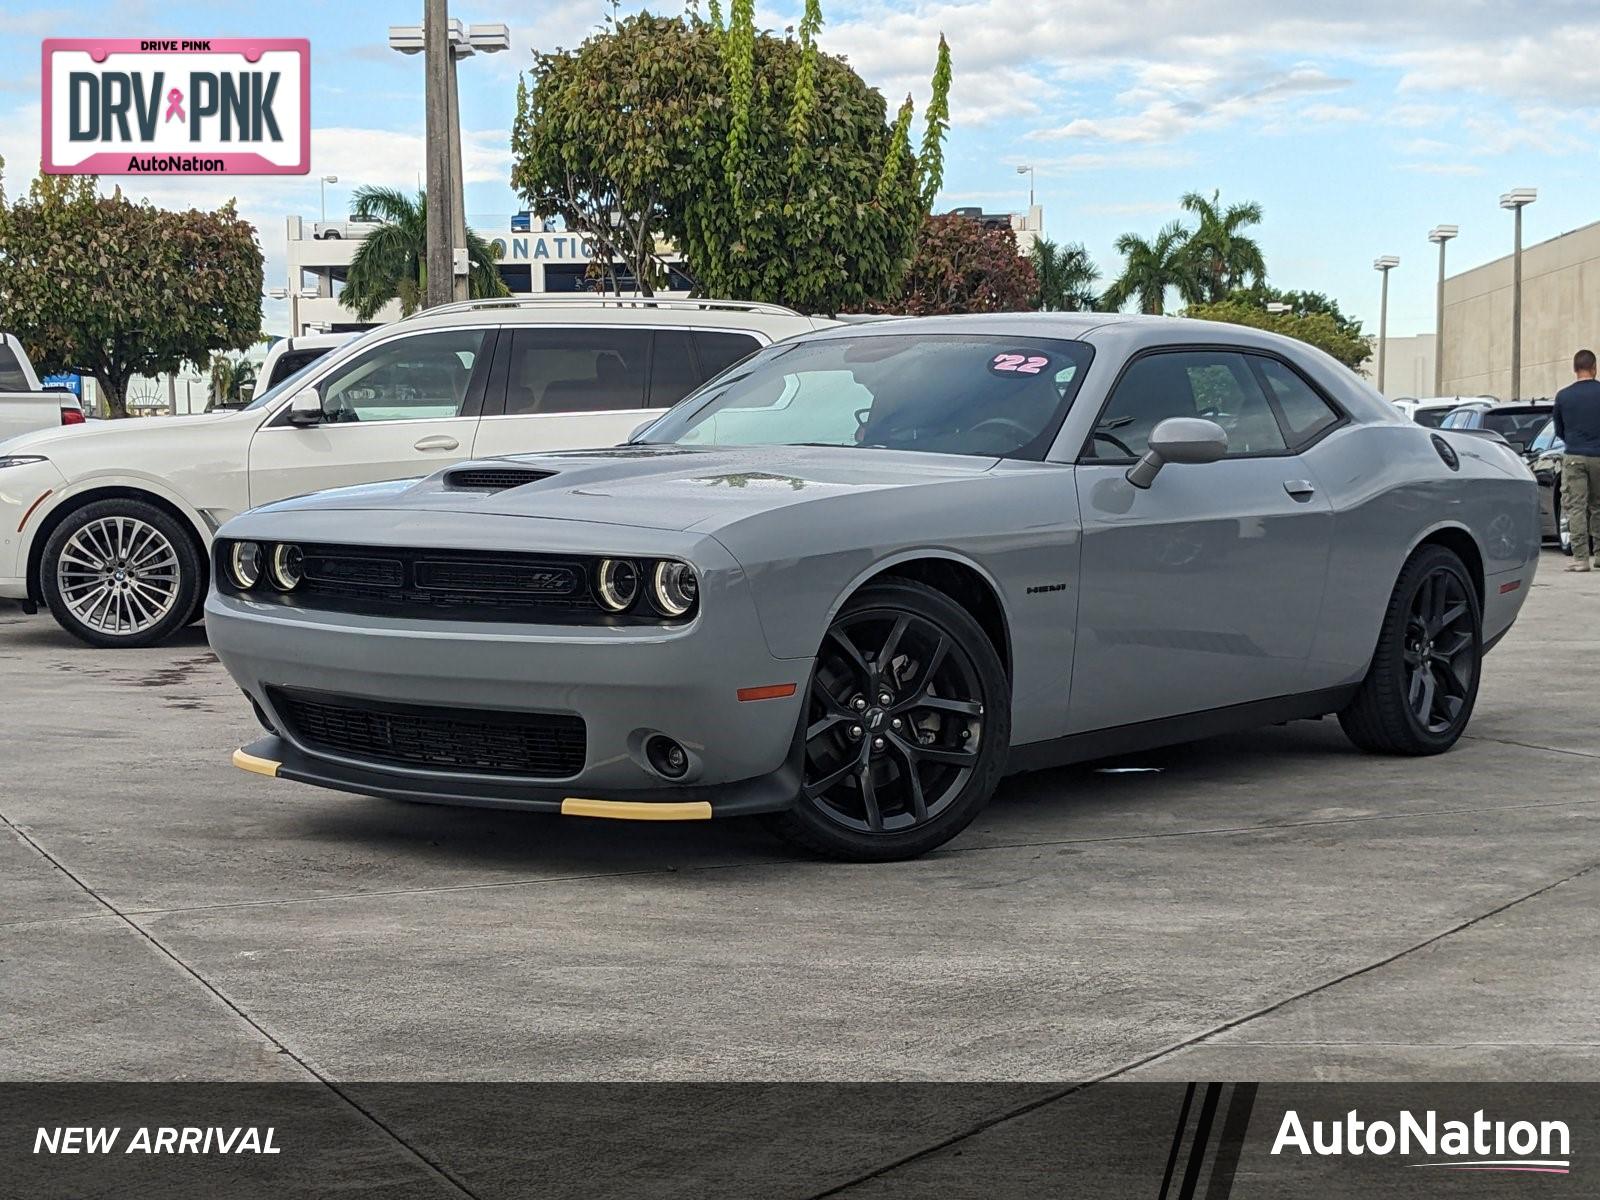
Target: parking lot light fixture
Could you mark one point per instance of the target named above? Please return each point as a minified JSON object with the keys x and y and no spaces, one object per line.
{"x":322,"y":190}
{"x":1029,"y":172}
{"x":1383,"y":264}
{"x":1516,"y":200}
{"x":1440,"y":234}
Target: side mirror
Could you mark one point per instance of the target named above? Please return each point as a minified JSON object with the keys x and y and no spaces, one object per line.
{"x":305,"y":409}
{"x":1178,"y":440}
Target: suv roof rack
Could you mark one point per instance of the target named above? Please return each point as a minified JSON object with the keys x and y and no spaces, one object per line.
{"x":592,"y":300}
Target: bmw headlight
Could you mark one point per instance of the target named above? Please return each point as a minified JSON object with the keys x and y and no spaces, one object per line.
{"x":674,"y":588}
{"x":288,"y":567}
{"x":617,"y":582}
{"x":244,"y":564}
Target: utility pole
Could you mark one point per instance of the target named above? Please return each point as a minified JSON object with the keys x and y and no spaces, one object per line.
{"x":458,"y":200}
{"x":1384,"y":265}
{"x":1516,"y":200}
{"x":1440,"y":234}
{"x":438,"y":70}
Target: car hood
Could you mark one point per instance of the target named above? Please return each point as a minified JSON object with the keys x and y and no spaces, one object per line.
{"x":42,"y":441}
{"x":660,"y":487}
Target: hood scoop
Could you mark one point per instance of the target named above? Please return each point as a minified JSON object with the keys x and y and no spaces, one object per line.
{"x":492,"y":479}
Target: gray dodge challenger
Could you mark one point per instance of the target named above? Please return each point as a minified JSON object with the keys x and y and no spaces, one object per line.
{"x":859,"y":577}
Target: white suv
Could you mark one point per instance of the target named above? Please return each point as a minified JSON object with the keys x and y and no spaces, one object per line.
{"x":110,"y":525}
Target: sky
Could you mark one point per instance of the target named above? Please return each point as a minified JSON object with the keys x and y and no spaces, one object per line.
{"x":1357,"y":124}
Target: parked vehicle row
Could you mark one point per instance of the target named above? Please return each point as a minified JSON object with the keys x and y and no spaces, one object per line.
{"x":853,"y":581}
{"x":24,"y":405}
{"x":110,"y":526}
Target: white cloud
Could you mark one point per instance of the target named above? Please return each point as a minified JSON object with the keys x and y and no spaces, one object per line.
{"x":1442,"y":168}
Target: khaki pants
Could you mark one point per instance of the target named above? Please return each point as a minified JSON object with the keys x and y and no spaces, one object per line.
{"x":1580,"y":500}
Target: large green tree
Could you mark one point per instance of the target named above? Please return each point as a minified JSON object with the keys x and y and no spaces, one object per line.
{"x":1066,"y":276}
{"x":1320,"y":329}
{"x":772,"y":167}
{"x":1225,"y":256}
{"x":391,"y":262}
{"x":105,"y":287}
{"x":961,"y":266}
{"x":1151,"y":268}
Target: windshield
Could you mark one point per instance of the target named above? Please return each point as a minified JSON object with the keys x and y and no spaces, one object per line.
{"x":284,"y":385}
{"x":1430,"y":417}
{"x":943,"y":393}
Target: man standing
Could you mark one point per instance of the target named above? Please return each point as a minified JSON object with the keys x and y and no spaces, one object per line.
{"x":1578,"y":424}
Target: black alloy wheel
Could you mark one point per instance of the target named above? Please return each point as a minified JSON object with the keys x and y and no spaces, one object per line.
{"x":1423,"y":682}
{"x":907,"y":723}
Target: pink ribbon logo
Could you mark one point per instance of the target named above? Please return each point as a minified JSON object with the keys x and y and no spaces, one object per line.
{"x":175,"y":105}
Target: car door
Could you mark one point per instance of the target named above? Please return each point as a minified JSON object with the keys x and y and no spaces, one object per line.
{"x":1204,"y":590}
{"x":401,"y":409}
{"x":573,"y":387}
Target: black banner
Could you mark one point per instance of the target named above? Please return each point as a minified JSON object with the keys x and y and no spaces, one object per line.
{"x":771,"y":1142}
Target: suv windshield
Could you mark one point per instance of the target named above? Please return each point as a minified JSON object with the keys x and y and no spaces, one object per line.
{"x":944,"y":393}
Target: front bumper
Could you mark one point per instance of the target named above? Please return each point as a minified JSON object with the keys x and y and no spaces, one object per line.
{"x":277,"y":758}
{"x":626,"y":683}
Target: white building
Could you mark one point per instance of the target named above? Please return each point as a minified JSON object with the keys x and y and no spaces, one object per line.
{"x":1407,"y":368}
{"x":530,"y":261}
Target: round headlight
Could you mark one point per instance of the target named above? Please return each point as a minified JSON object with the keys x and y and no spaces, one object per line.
{"x":288,"y":567}
{"x":618,"y":583}
{"x":674,"y":588}
{"x":244,"y":564}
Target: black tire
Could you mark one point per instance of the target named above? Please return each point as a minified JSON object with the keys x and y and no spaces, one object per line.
{"x":1403,"y":706}
{"x":923,"y":784}
{"x":179,"y":575}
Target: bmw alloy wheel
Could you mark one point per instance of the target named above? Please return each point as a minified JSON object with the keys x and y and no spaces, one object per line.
{"x":118,"y":575}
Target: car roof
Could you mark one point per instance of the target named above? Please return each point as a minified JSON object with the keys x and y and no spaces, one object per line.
{"x":570,"y":309}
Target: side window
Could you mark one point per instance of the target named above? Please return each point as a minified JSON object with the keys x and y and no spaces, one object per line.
{"x":672,"y":371}
{"x":1215,"y":384}
{"x":592,"y":369}
{"x":719,"y":351}
{"x":11,"y":377}
{"x":1305,"y":414}
{"x":413,"y":378}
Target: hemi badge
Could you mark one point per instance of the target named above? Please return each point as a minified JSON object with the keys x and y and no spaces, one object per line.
{"x":1510,"y":587}
{"x":772,"y":691}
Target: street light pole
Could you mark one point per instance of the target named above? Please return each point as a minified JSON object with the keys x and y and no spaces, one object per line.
{"x":1028,"y":171}
{"x":322,"y":190}
{"x":1516,"y":200}
{"x":436,"y":72}
{"x":1440,"y":234}
{"x":1384,"y":265}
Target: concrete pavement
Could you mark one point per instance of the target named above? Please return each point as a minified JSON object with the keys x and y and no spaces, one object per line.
{"x":1269,"y":906}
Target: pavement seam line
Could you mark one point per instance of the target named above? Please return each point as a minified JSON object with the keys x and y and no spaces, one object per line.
{"x":1269,"y":1009}
{"x":987,"y":1123}
{"x":217,"y":993}
{"x":1478,"y":737}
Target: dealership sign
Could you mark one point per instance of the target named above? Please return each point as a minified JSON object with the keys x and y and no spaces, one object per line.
{"x":210,"y":106}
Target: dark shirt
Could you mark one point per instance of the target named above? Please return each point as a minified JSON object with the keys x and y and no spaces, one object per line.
{"x":1578,"y":417}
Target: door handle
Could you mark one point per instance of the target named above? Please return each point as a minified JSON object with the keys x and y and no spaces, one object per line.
{"x":1301,"y":489}
{"x":439,"y":441}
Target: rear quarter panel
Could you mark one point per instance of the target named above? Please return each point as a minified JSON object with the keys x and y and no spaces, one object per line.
{"x":1390,"y":491}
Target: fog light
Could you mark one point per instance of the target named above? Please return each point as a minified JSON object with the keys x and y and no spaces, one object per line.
{"x":674,"y":588}
{"x":244,"y":564}
{"x":617,"y":581}
{"x":288,"y":567}
{"x":666,"y":756}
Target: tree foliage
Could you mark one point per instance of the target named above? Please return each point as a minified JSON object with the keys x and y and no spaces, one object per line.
{"x":102,"y":286}
{"x":1224,"y":256}
{"x":770,"y":165}
{"x":961,"y":266}
{"x":1150,"y":269}
{"x":228,"y":378}
{"x":1320,"y":329}
{"x":1066,"y":277}
{"x":391,"y":263}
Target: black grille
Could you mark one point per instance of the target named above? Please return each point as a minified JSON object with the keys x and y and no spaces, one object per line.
{"x":491,"y":479}
{"x":477,"y":741}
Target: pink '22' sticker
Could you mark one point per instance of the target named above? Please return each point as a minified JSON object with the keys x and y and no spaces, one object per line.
{"x":1018,"y":364}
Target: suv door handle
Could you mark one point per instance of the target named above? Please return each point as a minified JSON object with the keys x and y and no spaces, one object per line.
{"x":439,"y":441}
{"x":1301,"y":489}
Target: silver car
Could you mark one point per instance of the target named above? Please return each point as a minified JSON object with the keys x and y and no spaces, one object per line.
{"x":859,"y":577}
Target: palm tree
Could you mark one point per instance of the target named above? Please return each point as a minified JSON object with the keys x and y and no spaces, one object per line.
{"x":229,"y":378}
{"x":1066,"y":276}
{"x":1150,"y":268}
{"x":1224,"y":256}
{"x":392,"y":261}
